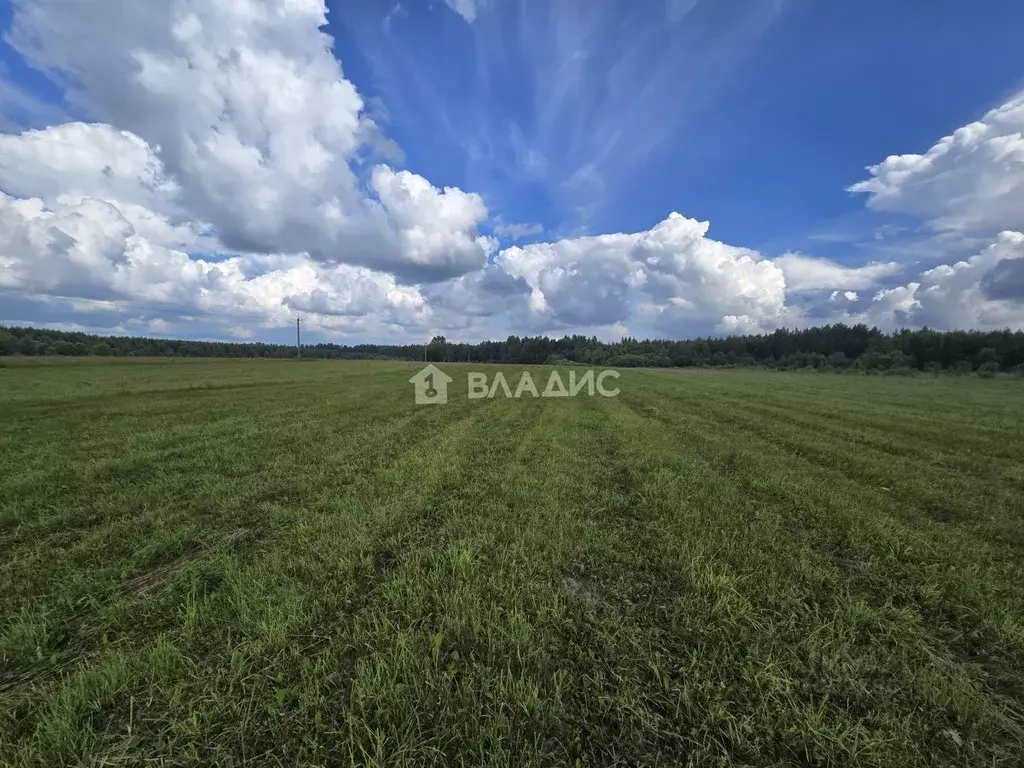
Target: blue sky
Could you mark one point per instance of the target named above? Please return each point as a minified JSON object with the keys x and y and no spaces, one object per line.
{"x":484,"y":167}
{"x":759,"y":114}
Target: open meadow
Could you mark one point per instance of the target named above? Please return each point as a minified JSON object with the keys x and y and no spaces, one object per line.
{"x":281,"y":563}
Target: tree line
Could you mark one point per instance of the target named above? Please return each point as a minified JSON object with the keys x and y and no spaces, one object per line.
{"x":828,"y":347}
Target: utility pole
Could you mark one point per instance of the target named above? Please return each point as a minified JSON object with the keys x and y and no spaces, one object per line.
{"x":298,"y":338}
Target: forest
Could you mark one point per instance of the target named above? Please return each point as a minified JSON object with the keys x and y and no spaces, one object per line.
{"x":828,"y":347}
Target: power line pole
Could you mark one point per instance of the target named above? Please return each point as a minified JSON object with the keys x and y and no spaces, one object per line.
{"x":298,"y":338}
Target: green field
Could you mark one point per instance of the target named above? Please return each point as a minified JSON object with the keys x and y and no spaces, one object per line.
{"x":218,"y":562}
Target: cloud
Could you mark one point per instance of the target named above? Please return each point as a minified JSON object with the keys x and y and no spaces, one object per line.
{"x":96,"y":161}
{"x":487,"y":293}
{"x":436,"y":229}
{"x":680,"y":274}
{"x":1005,"y":281}
{"x":89,"y":160}
{"x":251,"y":116}
{"x":78,"y":247}
{"x":983,"y":292}
{"x":805,"y":273}
{"x":969,"y":187}
{"x":517,"y":231}
{"x":972,"y":179}
{"x":86,"y":249}
{"x":467,"y":9}
{"x":961,"y":296}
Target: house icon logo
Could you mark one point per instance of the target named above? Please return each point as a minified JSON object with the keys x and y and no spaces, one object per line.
{"x":431,"y":386}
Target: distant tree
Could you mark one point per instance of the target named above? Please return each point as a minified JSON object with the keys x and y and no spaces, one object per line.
{"x":437,"y":349}
{"x":985,"y":358}
{"x":856,"y":348}
{"x":27,"y":346}
{"x":837,"y":360}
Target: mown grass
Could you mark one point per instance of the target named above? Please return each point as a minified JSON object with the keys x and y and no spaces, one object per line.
{"x":227,"y":562}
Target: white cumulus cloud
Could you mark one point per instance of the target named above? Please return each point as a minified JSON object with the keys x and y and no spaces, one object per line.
{"x":972,"y":179}
{"x":250,"y":113}
{"x":81,"y":161}
{"x":681,"y":276}
{"x":806,"y":273}
{"x":87,"y":249}
{"x":986,"y":291}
